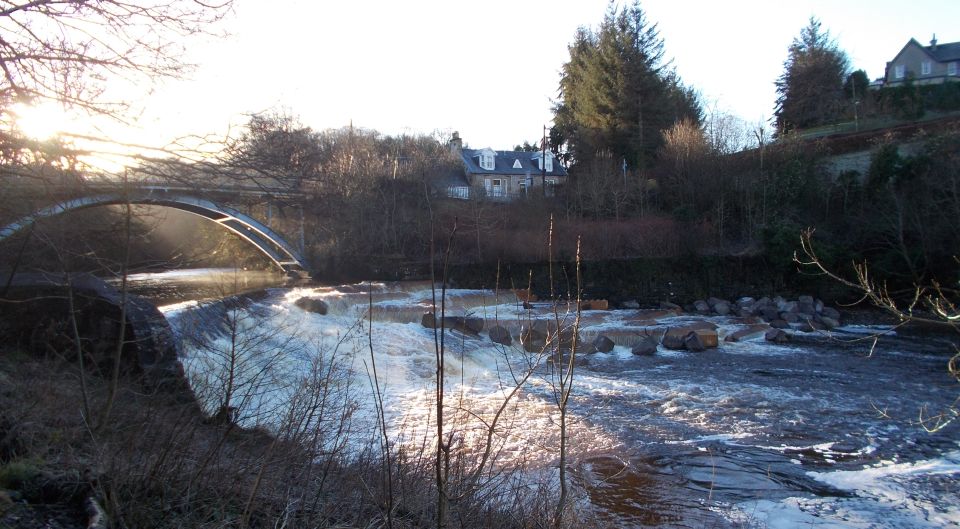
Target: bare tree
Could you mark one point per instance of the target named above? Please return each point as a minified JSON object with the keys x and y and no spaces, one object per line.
{"x":68,"y":51}
{"x":931,"y":305}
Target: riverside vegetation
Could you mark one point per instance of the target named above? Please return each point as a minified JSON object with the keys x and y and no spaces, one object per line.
{"x":702,"y":193}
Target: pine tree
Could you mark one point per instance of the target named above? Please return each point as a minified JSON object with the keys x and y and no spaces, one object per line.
{"x":810,"y":90}
{"x":616,"y":92}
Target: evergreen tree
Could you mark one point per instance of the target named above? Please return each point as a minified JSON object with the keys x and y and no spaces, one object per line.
{"x":616,"y":92}
{"x":810,"y":90}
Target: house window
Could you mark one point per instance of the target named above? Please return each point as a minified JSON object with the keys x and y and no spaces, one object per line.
{"x":545,"y":162}
{"x":899,"y":71}
{"x":496,"y":188}
{"x":486,"y":162}
{"x":951,"y":68}
{"x":925,"y":68}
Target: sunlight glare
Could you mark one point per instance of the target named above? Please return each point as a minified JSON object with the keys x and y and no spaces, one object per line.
{"x":41,"y":121}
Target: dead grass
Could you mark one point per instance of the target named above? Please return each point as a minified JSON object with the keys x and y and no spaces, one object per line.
{"x":161,"y":462}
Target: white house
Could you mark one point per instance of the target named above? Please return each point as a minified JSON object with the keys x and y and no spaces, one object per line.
{"x":936,"y":63}
{"x":507,"y":175}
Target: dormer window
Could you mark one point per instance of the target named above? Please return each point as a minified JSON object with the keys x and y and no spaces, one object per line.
{"x":545,"y":161}
{"x":486,"y":159}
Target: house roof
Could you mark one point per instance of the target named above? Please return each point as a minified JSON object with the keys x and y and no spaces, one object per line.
{"x":946,"y":52}
{"x":452,"y":177}
{"x":505,"y":163}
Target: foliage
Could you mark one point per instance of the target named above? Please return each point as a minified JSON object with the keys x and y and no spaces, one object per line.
{"x":527,"y":147}
{"x":277,"y":144}
{"x":856,"y":85}
{"x":912,"y":101}
{"x":616,"y":92}
{"x":810,"y":89}
{"x":370,"y":194}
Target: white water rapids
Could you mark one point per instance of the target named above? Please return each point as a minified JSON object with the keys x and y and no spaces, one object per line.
{"x":748,"y":434}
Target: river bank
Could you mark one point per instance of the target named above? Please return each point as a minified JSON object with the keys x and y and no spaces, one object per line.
{"x":736,"y":435}
{"x":742,"y":434}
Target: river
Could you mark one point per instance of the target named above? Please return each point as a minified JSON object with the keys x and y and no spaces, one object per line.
{"x":821,"y":432}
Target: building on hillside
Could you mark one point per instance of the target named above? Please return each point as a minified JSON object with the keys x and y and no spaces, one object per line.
{"x":506,"y":175}
{"x":933,"y":64}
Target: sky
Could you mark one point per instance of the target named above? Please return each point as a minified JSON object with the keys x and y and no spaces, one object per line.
{"x":490,"y":70}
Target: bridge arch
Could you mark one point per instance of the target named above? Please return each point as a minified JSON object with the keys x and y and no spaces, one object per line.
{"x":259,"y":235}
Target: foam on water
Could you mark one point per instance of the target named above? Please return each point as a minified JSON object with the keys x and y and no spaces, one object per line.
{"x":921,"y":494}
{"x":792,"y":421}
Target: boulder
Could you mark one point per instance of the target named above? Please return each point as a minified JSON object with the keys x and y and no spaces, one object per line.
{"x":776,"y":336}
{"x":806,"y":308}
{"x":650,"y":317}
{"x":646,"y":347}
{"x":829,"y":322}
{"x":692,"y":342}
{"x":722,"y":308}
{"x":594,"y":304}
{"x":812,"y":325}
{"x":602,"y":344}
{"x":770,"y":312}
{"x":701,"y":307}
{"x":679,"y":333}
{"x":568,"y":340}
{"x":471,"y":324}
{"x":468,"y":325}
{"x":831,"y":312}
{"x":748,"y":333}
{"x":780,"y":303}
{"x":708,"y":337}
{"x":805,"y":300}
{"x":500,"y":335}
{"x":675,"y":338}
{"x":673,"y":341}
{"x":779,"y":324}
{"x":315,"y":305}
{"x":790,"y":317}
{"x":666,"y":305}
{"x":630,"y":304}
{"x":533,"y":341}
{"x":429,"y":320}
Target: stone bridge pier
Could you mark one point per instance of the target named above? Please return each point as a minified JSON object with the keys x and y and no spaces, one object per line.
{"x":38,"y":313}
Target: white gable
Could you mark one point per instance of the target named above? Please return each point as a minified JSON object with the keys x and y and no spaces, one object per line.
{"x":487,"y":158}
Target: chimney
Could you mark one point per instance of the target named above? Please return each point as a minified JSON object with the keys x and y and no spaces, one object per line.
{"x":455,"y":144}
{"x":933,"y":43}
